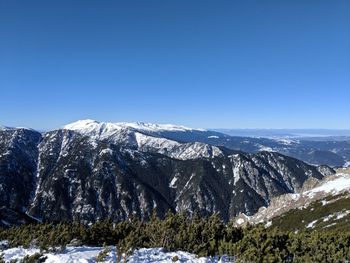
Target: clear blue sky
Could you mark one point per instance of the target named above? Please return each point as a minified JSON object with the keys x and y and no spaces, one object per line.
{"x":223,"y":64}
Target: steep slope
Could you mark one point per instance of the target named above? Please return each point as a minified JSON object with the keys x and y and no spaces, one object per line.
{"x":18,"y":165}
{"x":321,"y":204}
{"x":85,"y":179}
{"x":88,"y":174}
{"x":330,"y":213}
{"x":18,"y":156}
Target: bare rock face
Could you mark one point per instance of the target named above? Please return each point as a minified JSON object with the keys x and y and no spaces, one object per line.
{"x":18,"y":165}
{"x":325,"y":170}
{"x":67,"y":175}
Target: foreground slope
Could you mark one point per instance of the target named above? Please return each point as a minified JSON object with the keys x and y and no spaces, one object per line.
{"x":321,"y":205}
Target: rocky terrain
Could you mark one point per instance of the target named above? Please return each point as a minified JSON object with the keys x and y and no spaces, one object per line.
{"x":89,"y":171}
{"x":326,"y":201}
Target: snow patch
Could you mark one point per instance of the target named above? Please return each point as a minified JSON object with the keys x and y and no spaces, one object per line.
{"x":268,"y":224}
{"x":240,"y":221}
{"x":344,"y":214}
{"x":334,"y":186}
{"x":311,"y":224}
{"x":160,"y":255}
{"x":265,"y":148}
{"x":106,"y":151}
{"x":172,"y":183}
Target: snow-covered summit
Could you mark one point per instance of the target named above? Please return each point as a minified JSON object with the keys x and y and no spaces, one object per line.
{"x":88,"y":126}
{"x":146,"y":137}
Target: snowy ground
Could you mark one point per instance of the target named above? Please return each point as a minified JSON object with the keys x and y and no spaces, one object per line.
{"x":85,"y":254}
{"x":336,"y":184}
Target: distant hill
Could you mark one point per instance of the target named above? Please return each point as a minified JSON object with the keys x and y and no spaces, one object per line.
{"x":290,"y":133}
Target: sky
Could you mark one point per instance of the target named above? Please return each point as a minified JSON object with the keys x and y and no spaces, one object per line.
{"x":199,"y":63}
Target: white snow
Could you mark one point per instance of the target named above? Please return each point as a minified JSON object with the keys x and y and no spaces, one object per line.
{"x":330,"y":225}
{"x":324,"y":202}
{"x":154,"y":142}
{"x":327,"y":218}
{"x":265,"y":148}
{"x":159,"y":255}
{"x":12,"y":128}
{"x":18,"y":253}
{"x":80,"y":254}
{"x":333,"y":186}
{"x":285,"y":141}
{"x":336,"y":216}
{"x":156,"y":127}
{"x":240,"y":221}
{"x":343,"y":214}
{"x":213,"y":137}
{"x":173,"y":181}
{"x":93,"y":125}
{"x":72,"y":254}
{"x":144,"y":137}
{"x":106,"y":151}
{"x":182,"y":151}
{"x":268,"y":224}
{"x":85,"y":254}
{"x":311,"y":224}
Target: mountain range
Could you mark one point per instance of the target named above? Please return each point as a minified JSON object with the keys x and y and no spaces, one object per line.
{"x":91,"y":170}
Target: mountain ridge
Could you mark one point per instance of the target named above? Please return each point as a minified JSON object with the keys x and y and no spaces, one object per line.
{"x":333,"y":152}
{"x":72,"y":176}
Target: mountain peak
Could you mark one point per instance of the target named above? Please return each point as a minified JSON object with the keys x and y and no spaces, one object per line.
{"x":89,"y":125}
{"x":80,"y":124}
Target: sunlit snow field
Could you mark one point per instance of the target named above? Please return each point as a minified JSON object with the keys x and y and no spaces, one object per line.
{"x":85,"y":254}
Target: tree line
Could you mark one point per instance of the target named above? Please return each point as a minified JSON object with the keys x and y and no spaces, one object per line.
{"x":208,"y":236}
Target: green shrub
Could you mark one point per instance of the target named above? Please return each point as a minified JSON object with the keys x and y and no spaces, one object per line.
{"x":102,"y":256}
{"x":198,"y":235}
{"x":35,"y":258}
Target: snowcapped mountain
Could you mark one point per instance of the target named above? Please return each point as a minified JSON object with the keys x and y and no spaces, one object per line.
{"x":109,"y":127}
{"x":145,"y":137}
{"x":90,"y":170}
{"x":332,"y":152}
